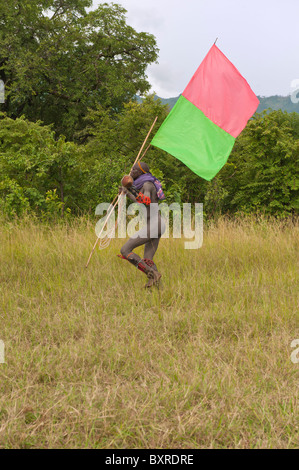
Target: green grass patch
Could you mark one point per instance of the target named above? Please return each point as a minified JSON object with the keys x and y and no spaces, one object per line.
{"x":93,"y":360}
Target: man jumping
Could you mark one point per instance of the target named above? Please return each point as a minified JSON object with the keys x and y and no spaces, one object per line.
{"x":146,"y":190}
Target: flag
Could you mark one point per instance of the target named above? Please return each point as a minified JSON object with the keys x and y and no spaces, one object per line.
{"x":214,"y":108}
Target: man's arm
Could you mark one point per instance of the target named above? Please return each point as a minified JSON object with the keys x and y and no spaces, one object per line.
{"x":127,"y":193}
{"x":144,"y":196}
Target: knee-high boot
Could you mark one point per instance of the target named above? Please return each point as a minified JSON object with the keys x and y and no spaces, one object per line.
{"x":145,"y":265}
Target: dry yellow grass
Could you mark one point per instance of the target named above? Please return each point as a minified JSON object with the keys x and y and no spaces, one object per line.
{"x":92,"y":360}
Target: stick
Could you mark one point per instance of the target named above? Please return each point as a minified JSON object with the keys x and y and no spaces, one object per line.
{"x":144,"y":152}
{"x":144,"y":142}
{"x":108,"y":216}
{"x":105,"y":241}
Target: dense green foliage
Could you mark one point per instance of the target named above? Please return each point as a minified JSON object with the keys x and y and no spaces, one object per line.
{"x":50,"y":177}
{"x":35,"y":169}
{"x":262,"y":172}
{"x":57,"y":60}
{"x":47,"y":176}
{"x":71,"y":125}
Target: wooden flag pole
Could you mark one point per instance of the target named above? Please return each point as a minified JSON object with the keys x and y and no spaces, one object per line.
{"x":144,"y":152}
{"x":137,"y":158}
{"x":118,"y":195}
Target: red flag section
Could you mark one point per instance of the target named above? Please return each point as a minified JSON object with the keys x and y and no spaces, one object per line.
{"x":218,"y":89}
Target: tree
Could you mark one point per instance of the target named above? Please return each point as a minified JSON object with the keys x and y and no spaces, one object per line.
{"x":57,"y":60}
{"x":262,"y":172}
{"x":37,"y":171}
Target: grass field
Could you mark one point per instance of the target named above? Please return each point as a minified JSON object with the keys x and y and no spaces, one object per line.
{"x":93,"y":360}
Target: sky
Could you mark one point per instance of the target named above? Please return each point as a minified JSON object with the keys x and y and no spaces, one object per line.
{"x":260,"y":37}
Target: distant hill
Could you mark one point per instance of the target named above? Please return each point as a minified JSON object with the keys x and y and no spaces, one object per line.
{"x":277,"y":102}
{"x":274,"y":102}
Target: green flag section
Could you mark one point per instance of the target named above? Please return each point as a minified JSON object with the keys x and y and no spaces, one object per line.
{"x":190,"y":136}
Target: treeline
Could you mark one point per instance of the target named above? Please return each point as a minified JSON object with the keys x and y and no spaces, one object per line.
{"x":50,"y":176}
{"x":71,"y":127}
{"x":271,"y":103}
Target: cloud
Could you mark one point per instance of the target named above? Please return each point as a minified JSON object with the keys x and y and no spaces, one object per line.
{"x":143,"y":18}
{"x":260,"y":38}
{"x":164,"y":80}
